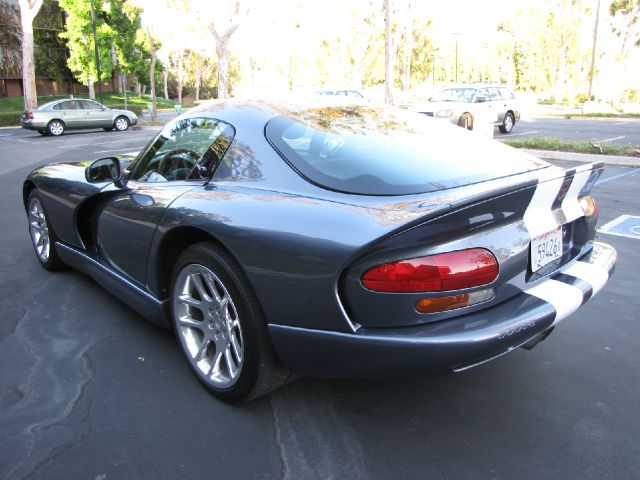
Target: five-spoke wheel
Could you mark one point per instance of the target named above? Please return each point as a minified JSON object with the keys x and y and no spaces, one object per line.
{"x":220,"y":325}
{"x":208,"y":325}
{"x":42,"y":235}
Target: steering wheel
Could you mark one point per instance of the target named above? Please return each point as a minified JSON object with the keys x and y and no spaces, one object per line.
{"x":177,"y":164}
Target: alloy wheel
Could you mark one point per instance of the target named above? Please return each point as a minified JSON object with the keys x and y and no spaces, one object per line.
{"x":208,"y":326}
{"x":39,"y":230}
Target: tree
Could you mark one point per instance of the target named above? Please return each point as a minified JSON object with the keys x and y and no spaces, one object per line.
{"x":153,"y":48}
{"x":79,"y":35}
{"x":628,"y":11}
{"x":128,"y":46}
{"x":224,"y":18}
{"x":28,"y":10}
{"x":388,"y":56}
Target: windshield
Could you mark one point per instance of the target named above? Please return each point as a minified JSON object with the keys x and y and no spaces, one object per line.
{"x":455,"y":95}
{"x":386,"y":151}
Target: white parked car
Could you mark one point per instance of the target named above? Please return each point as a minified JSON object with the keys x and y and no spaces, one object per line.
{"x":461,"y":104}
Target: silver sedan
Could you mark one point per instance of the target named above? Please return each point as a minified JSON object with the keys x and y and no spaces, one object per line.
{"x":55,"y":117}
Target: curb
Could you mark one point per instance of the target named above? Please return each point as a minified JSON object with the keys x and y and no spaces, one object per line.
{"x":584,"y":157}
{"x":577,"y":116}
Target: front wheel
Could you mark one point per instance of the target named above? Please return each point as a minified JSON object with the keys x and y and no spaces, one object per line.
{"x":220,"y":327}
{"x":507,"y":123}
{"x":121,"y":124}
{"x":43,"y":237}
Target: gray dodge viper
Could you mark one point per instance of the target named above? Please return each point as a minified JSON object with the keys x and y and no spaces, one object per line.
{"x":327,"y":239}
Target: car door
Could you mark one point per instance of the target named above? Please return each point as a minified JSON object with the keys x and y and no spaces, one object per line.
{"x":70,"y":113}
{"x":96,"y":115}
{"x":171,"y":165}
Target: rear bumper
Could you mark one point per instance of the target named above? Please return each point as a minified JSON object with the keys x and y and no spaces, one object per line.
{"x":451,"y":345}
{"x":33,"y":124}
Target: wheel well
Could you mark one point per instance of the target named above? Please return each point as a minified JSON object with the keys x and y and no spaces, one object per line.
{"x":512,"y":114}
{"x":173,"y":244}
{"x":26,"y":190}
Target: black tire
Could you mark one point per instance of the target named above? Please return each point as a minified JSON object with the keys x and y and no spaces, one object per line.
{"x":199,"y":329}
{"x":39,"y":226}
{"x":56,"y":127}
{"x":465,"y":121}
{"x":507,"y":123}
{"x":121,"y":123}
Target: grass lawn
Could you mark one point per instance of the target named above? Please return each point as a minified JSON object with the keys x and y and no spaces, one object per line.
{"x":546,"y":143}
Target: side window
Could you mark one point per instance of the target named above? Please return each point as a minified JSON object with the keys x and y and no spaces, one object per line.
{"x":507,"y":94}
{"x":70,"y":105}
{"x":181,"y":148}
{"x":58,"y":106}
{"x":482,"y":92}
{"x":493,"y":94}
{"x":87,"y":105}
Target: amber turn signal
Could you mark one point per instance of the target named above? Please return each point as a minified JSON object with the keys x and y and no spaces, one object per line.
{"x":452,"y":302}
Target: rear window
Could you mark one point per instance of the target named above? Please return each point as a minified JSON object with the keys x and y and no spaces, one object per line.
{"x":386,"y":151}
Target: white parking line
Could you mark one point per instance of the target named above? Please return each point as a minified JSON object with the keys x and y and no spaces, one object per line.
{"x":611,"y":139}
{"x":522,"y":133}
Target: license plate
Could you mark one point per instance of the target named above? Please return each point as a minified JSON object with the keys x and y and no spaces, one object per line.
{"x":546,"y":248}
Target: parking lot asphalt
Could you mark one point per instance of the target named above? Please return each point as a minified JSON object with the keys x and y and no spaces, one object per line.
{"x":90,"y":390}
{"x":618,"y":131}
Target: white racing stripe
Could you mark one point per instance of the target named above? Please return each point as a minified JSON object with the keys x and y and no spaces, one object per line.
{"x":595,"y":276}
{"x":538,"y":218}
{"x":571,"y":204}
{"x":566,"y":299}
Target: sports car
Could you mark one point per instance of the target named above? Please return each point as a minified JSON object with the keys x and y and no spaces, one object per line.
{"x":326,"y":238}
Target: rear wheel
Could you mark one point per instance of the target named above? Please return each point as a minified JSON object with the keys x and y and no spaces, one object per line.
{"x":43,"y":237}
{"x":507,"y":123}
{"x":121,"y":124}
{"x":56,"y":127}
{"x":220,"y":326}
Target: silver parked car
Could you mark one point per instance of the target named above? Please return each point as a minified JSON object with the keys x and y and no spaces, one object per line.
{"x":461,"y":104}
{"x":55,"y":117}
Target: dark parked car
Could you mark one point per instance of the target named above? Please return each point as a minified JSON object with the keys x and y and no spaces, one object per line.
{"x":54,"y":118}
{"x":331,"y":239}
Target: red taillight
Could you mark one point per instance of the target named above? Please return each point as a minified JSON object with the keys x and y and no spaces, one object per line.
{"x":435,"y":273}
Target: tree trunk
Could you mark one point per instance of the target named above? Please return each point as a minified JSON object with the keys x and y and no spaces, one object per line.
{"x":198,"y":76}
{"x":28,"y":11}
{"x":92,"y":90}
{"x":165,"y":78}
{"x":152,"y":82}
{"x":222,"y":49}
{"x":180,"y":77}
{"x":388,"y":60}
{"x":116,"y":70}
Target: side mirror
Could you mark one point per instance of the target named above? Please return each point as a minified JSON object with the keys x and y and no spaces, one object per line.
{"x":105,"y":170}
{"x":481,"y":99}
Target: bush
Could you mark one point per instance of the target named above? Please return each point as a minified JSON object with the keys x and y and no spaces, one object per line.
{"x":10,"y":119}
{"x":137,"y":109}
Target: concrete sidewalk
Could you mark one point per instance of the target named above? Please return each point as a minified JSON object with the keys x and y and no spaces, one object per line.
{"x":584,"y":157}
